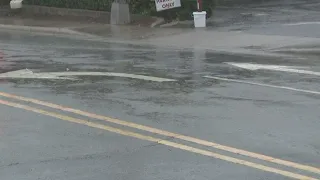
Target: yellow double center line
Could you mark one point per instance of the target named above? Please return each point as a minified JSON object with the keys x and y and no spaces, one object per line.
{"x":162,"y":141}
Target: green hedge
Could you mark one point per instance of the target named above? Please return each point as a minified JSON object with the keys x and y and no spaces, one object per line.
{"x":4,"y":2}
{"x":144,"y":7}
{"x":98,"y":5}
{"x":147,"y":7}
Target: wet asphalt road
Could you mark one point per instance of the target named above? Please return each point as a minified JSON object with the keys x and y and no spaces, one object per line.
{"x":275,"y":122}
{"x":285,"y":18}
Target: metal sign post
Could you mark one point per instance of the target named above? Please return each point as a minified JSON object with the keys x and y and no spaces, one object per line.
{"x":199,"y":5}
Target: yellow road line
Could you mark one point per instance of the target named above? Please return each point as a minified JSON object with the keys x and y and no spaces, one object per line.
{"x":168,"y":134}
{"x":159,"y":141}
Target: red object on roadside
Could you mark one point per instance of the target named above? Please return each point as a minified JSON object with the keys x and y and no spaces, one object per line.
{"x":199,"y":5}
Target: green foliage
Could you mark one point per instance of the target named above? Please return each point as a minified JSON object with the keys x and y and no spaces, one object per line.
{"x":143,"y":7}
{"x":4,"y":2}
{"x":98,"y":5}
{"x":147,"y":7}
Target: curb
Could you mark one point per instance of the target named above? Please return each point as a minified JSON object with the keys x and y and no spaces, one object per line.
{"x":90,"y":37}
{"x":172,"y":24}
{"x":305,"y":51}
{"x":52,"y":30}
{"x":157,"y":23}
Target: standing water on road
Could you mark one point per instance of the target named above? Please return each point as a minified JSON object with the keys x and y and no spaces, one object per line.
{"x":226,"y":105}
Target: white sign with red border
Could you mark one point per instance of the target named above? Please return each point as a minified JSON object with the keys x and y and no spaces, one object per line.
{"x":162,"y":5}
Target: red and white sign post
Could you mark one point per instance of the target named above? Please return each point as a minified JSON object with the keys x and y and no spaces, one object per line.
{"x":199,"y":16}
{"x":199,"y":3}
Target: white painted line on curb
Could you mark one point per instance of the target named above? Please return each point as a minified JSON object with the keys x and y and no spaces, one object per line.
{"x":28,"y":74}
{"x":302,"y":23}
{"x":264,"y":85}
{"x":54,"y":30}
{"x":290,"y":69}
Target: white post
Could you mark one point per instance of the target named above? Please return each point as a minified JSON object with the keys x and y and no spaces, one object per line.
{"x":200,"y":19}
{"x":120,"y":13}
{"x":16,"y":4}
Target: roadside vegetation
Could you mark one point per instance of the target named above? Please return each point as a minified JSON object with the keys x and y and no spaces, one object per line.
{"x":143,"y":7}
{"x":4,"y":2}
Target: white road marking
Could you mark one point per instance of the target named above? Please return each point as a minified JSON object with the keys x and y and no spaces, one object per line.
{"x":28,"y":74}
{"x":302,"y":23}
{"x":290,"y":69}
{"x":261,"y":14}
{"x":299,"y":50}
{"x":264,"y":85}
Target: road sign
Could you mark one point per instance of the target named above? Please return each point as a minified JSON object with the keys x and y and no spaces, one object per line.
{"x":162,"y":5}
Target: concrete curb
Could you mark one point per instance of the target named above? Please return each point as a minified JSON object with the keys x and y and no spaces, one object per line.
{"x":65,"y":32}
{"x":172,"y":24}
{"x":157,"y":23}
{"x":179,"y":24}
{"x":305,"y":51}
{"x":51,"y":30}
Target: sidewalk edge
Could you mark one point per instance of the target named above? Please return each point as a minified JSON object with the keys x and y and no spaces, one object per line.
{"x":53,"y":30}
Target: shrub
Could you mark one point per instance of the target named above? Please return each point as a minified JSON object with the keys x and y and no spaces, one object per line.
{"x":147,"y":7}
{"x":143,"y":7}
{"x":4,"y":2}
{"x":97,"y":5}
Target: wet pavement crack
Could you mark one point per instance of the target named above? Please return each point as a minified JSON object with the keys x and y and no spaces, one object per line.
{"x":158,"y":142}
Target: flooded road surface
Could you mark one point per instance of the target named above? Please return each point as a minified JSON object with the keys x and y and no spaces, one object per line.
{"x":216,"y":120}
{"x":298,"y":18}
